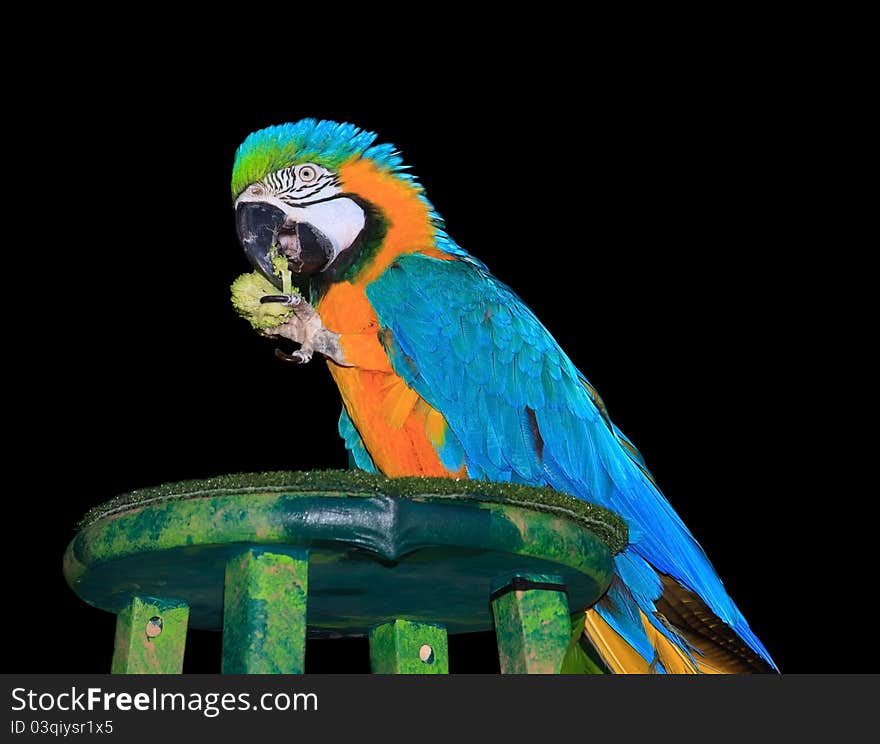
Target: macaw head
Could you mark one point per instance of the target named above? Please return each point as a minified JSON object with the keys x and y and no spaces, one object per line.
{"x":320,"y":195}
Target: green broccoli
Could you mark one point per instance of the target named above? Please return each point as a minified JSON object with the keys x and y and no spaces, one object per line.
{"x":280,"y":265}
{"x":246,"y":293}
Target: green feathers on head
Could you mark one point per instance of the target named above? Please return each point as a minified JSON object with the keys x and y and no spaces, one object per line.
{"x":326,"y":143}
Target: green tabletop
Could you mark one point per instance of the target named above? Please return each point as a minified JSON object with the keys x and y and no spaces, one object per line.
{"x":422,"y":549}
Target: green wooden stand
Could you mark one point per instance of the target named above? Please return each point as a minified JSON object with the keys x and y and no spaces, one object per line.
{"x":150,"y":637}
{"x":532,"y":623}
{"x":274,"y":558}
{"x":264,"y":623}
{"x":402,"y":647}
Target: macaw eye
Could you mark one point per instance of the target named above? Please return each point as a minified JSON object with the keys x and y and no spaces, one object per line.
{"x":307,"y":173}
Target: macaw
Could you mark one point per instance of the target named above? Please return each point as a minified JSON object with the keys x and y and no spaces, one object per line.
{"x":444,"y":371}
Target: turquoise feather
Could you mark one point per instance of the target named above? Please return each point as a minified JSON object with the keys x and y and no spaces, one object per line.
{"x":354,"y":444}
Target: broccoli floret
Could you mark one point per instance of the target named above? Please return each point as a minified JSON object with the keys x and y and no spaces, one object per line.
{"x":246,"y":293}
{"x":279,"y":263}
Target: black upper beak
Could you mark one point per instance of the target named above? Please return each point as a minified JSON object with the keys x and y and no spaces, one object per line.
{"x":258,"y":225}
{"x":265,"y":231}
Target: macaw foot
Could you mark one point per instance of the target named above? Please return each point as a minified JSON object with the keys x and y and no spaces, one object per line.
{"x":305,"y":328}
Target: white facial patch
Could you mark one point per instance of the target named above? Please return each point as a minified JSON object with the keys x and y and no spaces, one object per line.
{"x":303,"y":183}
{"x":340,"y":219}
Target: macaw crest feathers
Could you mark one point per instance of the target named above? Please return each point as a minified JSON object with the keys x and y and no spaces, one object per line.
{"x":328,"y":143}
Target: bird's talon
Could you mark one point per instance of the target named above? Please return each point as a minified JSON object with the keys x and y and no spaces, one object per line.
{"x":297,"y":357}
{"x":290,"y":300}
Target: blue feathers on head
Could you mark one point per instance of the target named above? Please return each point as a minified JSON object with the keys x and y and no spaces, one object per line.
{"x":328,"y":143}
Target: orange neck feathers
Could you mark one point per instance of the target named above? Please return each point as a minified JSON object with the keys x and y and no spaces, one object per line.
{"x":410,"y":229}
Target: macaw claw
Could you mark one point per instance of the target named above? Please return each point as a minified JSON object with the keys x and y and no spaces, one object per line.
{"x":291,"y":300}
{"x":297,"y":357}
{"x":304,"y":327}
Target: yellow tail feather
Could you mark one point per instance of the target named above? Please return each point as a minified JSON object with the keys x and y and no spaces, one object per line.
{"x":621,"y":658}
{"x":618,"y":655}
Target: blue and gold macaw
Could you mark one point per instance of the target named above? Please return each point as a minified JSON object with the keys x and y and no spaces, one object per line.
{"x":444,"y":371}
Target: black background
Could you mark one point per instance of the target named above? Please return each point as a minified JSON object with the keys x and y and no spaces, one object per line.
{"x":668,"y":259}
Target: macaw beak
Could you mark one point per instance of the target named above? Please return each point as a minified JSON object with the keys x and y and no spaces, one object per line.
{"x":266,"y":231}
{"x":309,"y":237}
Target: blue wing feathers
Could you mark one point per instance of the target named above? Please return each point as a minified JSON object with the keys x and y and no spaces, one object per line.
{"x":482,"y":358}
